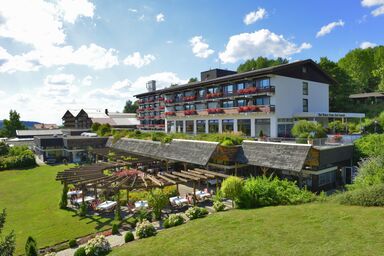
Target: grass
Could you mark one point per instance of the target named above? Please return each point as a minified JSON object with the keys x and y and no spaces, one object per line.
{"x":31,"y":198}
{"x":310,"y":229}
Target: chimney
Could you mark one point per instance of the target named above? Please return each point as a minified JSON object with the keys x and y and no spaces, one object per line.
{"x":106,"y":111}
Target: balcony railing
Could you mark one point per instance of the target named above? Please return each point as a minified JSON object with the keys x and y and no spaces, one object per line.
{"x":267,"y":109}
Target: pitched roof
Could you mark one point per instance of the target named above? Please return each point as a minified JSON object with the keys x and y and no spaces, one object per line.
{"x":124,"y":119}
{"x":366,"y":95}
{"x":283,"y":156}
{"x":38,"y":132}
{"x":195,"y":152}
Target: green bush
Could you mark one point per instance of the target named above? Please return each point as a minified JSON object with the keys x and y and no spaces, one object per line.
{"x":368,"y":196}
{"x":262,"y":191}
{"x":157,"y":200}
{"x":115,"y":229}
{"x":370,"y":172}
{"x":173,"y":220}
{"x":72,"y":243}
{"x":80,"y":252}
{"x":64,"y":198}
{"x":17,"y":157}
{"x":31,"y":247}
{"x":196,"y":212}
{"x":370,"y":145}
{"x":82,"y":210}
{"x":218,"y":206}
{"x":118,"y":216}
{"x":145,"y":229}
{"x":232,"y":188}
{"x":337,"y":126}
{"x":303,"y":129}
{"x":128,"y":237}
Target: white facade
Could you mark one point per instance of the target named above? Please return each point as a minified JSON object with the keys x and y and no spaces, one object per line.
{"x":287,"y":99}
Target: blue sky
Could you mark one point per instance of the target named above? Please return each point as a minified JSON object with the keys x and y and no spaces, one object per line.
{"x":61,"y":54}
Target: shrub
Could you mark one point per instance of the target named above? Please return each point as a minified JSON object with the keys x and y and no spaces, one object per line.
{"x":218,"y":206}
{"x":173,"y":220}
{"x":367,"y":196}
{"x":115,"y":229}
{"x":118,"y":216}
{"x":157,"y":200}
{"x":82,"y":210}
{"x":64,"y":198}
{"x":145,"y":229}
{"x":196,"y":212}
{"x":129,"y":237}
{"x":232,"y":188}
{"x":31,"y":247}
{"x":97,"y":246}
{"x":72,"y":243}
{"x":17,"y":157}
{"x":303,"y":128}
{"x":337,"y":126}
{"x":80,"y":252}
{"x":262,"y":191}
{"x":370,"y":172}
{"x":370,"y":145}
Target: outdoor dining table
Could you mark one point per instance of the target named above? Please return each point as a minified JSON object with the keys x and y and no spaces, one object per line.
{"x":202,"y":194}
{"x":107,"y":205}
{"x":74,"y":192}
{"x":178,"y":200}
{"x":141,"y":204}
{"x":86,"y":199}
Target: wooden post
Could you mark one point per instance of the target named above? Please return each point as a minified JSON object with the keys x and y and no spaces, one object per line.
{"x":177,"y":189}
{"x":166,"y":165}
{"x":235,"y":168}
{"x":185,"y":166}
{"x":95,"y":192}
{"x":217,"y":185}
{"x":83,"y":193}
{"x":194,"y":193}
{"x":127,"y":196}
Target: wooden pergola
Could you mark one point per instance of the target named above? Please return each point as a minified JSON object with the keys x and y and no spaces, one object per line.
{"x":95,"y":177}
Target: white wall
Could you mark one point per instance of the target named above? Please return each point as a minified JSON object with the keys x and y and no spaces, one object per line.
{"x":288,"y":97}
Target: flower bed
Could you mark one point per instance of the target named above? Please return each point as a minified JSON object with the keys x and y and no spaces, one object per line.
{"x":248,"y":109}
{"x":215,"y":111}
{"x":97,"y":246}
{"x":190,"y":112}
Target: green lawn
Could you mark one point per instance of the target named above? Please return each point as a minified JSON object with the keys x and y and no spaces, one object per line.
{"x":311,"y":229}
{"x":31,"y":198}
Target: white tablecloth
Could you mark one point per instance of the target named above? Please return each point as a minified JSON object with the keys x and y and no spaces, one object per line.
{"x":141,"y":204}
{"x":86,"y":199}
{"x":202,"y":194}
{"x":75,"y":192}
{"x":106,"y":205}
{"x":178,"y":200}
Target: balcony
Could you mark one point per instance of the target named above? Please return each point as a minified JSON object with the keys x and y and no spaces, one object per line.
{"x":259,"y":109}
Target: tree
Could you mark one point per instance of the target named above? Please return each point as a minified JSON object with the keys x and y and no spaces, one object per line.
{"x":157,"y":199}
{"x":4,"y":149}
{"x":192,"y":80}
{"x":13,"y":124}
{"x":130,"y":107}
{"x":305,"y":129}
{"x":8,"y":243}
{"x":260,"y":62}
{"x":232,"y":187}
{"x":64,"y":198}
{"x":95,"y":127}
{"x":31,"y":247}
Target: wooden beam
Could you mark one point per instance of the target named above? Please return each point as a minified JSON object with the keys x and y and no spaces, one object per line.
{"x":217,"y":174}
{"x":186,"y":176}
{"x":166,"y":178}
{"x":143,"y":179}
{"x":175,"y":177}
{"x":195,"y":175}
{"x":201,"y":173}
{"x":154,"y":180}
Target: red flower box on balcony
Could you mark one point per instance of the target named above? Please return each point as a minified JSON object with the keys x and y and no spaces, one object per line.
{"x":160,"y":99}
{"x":140,"y":109}
{"x":249,"y":90}
{"x":168,"y":101}
{"x":215,"y":111}
{"x":171,"y":113}
{"x":248,"y":109}
{"x":189,"y":98}
{"x":190,"y":112}
{"x":161,"y":107}
{"x":213,"y":95}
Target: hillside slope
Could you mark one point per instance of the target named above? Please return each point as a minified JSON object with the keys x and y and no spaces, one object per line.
{"x":311,"y":229}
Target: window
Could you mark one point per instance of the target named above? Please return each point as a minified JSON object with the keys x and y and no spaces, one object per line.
{"x":228,"y":89}
{"x":241,"y":103}
{"x":189,"y":126}
{"x":244,"y":126}
{"x":228,"y":125}
{"x":189,"y":93}
{"x":327,"y":178}
{"x":179,"y":126}
{"x":200,"y":126}
{"x":201,"y":93}
{"x":305,"y":105}
{"x":284,"y":130}
{"x":240,"y":86}
{"x":171,"y":126}
{"x":228,"y":104}
{"x":189,"y":107}
{"x":179,"y":108}
{"x":262,"y":125}
{"x":305,"y":88}
{"x":200,"y":106}
{"x":263,"y":83}
{"x":213,"y":90}
{"x":213,"y":126}
{"x":179,"y":96}
{"x":304,"y":69}
{"x":262,"y":101}
{"x":213,"y":105}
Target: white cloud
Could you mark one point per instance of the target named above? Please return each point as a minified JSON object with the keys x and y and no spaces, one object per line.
{"x":139,"y":61}
{"x":142,"y":17}
{"x":366,"y":44}
{"x":374,"y":3}
{"x":40,"y":23}
{"x":254,"y":16}
{"x":93,"y":56}
{"x":57,"y":86}
{"x":160,"y":17}
{"x":87,"y":81}
{"x":329,"y":27}
{"x":133,"y":10}
{"x":259,"y":43}
{"x":200,"y":48}
{"x":169,"y":42}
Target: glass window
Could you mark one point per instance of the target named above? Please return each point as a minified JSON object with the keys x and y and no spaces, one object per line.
{"x":262,"y":125}
{"x":228,"y":104}
{"x":213,"y":126}
{"x":262,"y":101}
{"x":171,"y":126}
{"x":305,"y":105}
{"x":305,"y":88}
{"x":284,"y":130}
{"x":240,"y":86}
{"x":189,"y":93}
{"x":179,"y":96}
{"x":189,"y":107}
{"x":263,"y":83}
{"x":200,"y":126}
{"x":228,"y":125}
{"x":201,"y":93}
{"x":189,"y":126}
{"x":179,"y":108}
{"x":179,"y":126}
{"x":241,"y":103}
{"x":213,"y":90}
{"x":213,"y":104}
{"x":327,"y":178}
{"x":200,"y":106}
{"x":228,"y":89}
{"x":244,"y":126}
{"x":249,"y":84}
